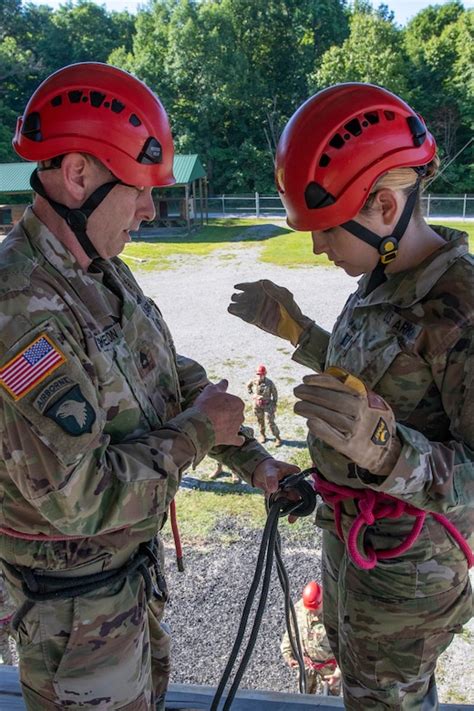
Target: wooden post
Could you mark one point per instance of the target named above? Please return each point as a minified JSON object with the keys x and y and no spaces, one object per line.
{"x":200,"y":202}
{"x":186,"y":198}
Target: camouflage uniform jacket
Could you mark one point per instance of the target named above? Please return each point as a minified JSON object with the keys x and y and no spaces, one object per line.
{"x":96,"y":417}
{"x":313,"y":638}
{"x":264,"y":393}
{"x":412,"y":341}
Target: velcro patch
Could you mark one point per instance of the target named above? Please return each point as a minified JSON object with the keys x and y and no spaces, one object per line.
{"x":72,"y":412}
{"x":381,"y":434}
{"x":31,"y":366}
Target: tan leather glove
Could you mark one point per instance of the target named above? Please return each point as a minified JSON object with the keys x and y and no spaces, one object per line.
{"x":270,"y":307}
{"x":355,"y":421}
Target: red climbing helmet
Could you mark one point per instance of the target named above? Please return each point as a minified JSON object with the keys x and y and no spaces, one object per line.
{"x":261,"y":370}
{"x":335,"y":147}
{"x":104,"y":111}
{"x":312,"y":595}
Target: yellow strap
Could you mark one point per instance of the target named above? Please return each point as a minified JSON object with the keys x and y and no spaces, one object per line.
{"x":350,"y":380}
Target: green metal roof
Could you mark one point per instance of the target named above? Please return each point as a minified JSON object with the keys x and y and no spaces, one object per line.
{"x":15,"y":177}
{"x":187,"y":168}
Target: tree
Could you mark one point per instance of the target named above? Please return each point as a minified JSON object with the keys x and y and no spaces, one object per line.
{"x":372,"y":53}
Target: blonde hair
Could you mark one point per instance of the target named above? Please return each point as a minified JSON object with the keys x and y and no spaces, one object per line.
{"x":403,"y":179}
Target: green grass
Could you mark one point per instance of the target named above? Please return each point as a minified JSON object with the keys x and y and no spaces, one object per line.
{"x":161,"y":252}
{"x":285,"y":248}
{"x":199,"y":513}
{"x":458,"y":225}
{"x":292,"y":249}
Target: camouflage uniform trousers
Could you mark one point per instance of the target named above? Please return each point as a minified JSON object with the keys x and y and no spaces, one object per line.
{"x":315,"y":681}
{"x":386,"y":646}
{"x":6,"y":613}
{"x":260,"y":413}
{"x":6,"y":642}
{"x":106,"y":650}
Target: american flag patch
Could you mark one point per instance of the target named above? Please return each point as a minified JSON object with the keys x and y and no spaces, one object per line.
{"x":31,"y":366}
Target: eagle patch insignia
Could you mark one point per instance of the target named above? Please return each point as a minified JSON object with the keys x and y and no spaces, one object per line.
{"x":72,"y":412}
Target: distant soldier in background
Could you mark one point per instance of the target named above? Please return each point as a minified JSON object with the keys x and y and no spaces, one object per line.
{"x":265,"y":400}
{"x":7,"y":610}
{"x":320,"y":665}
{"x":219,"y":470}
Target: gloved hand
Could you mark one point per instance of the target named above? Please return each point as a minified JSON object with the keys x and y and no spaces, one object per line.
{"x":355,"y":421}
{"x":270,"y":307}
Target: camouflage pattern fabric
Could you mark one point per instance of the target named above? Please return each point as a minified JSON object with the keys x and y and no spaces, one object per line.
{"x":7,"y":610}
{"x":264,"y":402}
{"x":97,"y":426}
{"x":315,"y":646}
{"x":412,"y":341}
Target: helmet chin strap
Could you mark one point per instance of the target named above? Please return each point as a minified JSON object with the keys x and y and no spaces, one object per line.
{"x":387,"y":247}
{"x":76,"y":218}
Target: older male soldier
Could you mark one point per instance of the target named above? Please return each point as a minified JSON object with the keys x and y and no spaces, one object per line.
{"x":99,"y":416}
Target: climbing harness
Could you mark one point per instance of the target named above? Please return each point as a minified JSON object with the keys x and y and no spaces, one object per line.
{"x":278,"y":505}
{"x":372,"y":506}
{"x":38,"y":586}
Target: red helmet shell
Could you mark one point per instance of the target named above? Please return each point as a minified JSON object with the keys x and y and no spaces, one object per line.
{"x":104,"y":111}
{"x":336,"y":146}
{"x":312,"y":596}
{"x":261,"y":370}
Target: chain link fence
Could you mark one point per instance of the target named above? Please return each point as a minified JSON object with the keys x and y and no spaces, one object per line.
{"x":459,"y":207}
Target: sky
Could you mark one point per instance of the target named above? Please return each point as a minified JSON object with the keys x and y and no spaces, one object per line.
{"x":404,"y":9}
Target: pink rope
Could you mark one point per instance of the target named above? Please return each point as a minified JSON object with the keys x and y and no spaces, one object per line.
{"x":372,"y":506}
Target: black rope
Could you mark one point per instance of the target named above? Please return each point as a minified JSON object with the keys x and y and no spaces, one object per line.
{"x":277,"y":506}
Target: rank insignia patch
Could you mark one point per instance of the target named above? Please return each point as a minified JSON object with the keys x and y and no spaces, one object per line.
{"x":30,"y":367}
{"x":72,"y":412}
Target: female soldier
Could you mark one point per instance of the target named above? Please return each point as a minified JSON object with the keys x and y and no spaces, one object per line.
{"x":391,"y":420}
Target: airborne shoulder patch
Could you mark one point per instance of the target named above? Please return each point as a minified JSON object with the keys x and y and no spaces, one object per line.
{"x":72,"y":412}
{"x":31,"y":366}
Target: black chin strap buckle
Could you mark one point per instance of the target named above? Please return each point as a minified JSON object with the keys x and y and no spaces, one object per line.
{"x":388,"y":249}
{"x":76,"y":220}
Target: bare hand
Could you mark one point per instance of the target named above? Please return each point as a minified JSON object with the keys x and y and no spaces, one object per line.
{"x":333,"y":679}
{"x":269,"y":473}
{"x":225,"y":411}
{"x":293,"y":663}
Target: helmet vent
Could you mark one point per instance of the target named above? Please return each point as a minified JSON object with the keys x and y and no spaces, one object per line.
{"x":324,"y":161}
{"x":353,"y":127}
{"x":32,"y":127}
{"x":316,"y":196}
{"x":75,"y":96}
{"x":134,"y":120}
{"x":389,"y":115}
{"x":97,"y":98}
{"x":117,"y":106}
{"x":57,"y":101}
{"x":372,"y":117}
{"x":336,"y":141}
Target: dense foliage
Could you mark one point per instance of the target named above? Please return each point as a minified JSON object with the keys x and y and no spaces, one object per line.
{"x":231,"y":72}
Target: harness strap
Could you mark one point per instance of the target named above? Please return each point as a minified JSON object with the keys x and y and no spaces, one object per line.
{"x":39,"y":586}
{"x":317,"y":666}
{"x":372,"y":506}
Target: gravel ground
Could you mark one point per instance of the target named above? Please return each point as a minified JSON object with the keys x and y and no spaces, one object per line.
{"x":208,"y":598}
